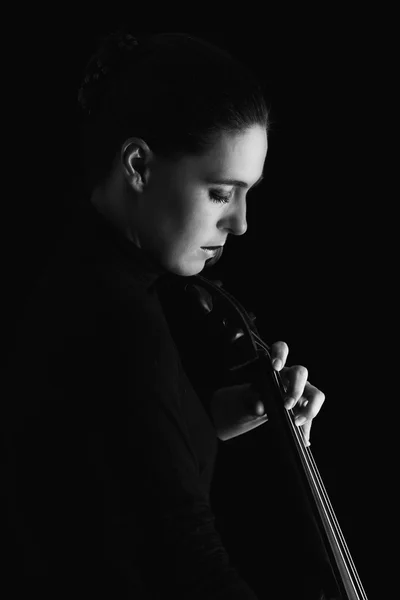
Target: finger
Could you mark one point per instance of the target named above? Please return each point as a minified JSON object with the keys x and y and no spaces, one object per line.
{"x":279,"y":354}
{"x":259,"y":409}
{"x":253,"y":402}
{"x":306,"y":428}
{"x":313,"y":401}
{"x":295,"y":379}
{"x":255,"y":407}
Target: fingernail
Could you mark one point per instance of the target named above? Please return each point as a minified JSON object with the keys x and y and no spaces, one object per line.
{"x":300,"y":420}
{"x":289,"y":402}
{"x":277,"y":363}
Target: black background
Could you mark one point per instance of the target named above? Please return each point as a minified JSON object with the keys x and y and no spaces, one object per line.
{"x":312,"y":265}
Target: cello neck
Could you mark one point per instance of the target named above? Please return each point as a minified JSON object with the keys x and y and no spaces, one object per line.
{"x":346,"y":574}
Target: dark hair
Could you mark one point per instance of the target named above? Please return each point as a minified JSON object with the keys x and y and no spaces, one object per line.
{"x":175,"y":91}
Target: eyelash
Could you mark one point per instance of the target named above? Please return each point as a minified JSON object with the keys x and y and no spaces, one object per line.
{"x":215,"y":197}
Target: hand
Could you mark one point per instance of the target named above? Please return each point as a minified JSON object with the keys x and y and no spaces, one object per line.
{"x":304,"y":398}
{"x":236,"y":410}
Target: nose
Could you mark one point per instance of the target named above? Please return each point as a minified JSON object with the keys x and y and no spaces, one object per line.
{"x":235,"y":219}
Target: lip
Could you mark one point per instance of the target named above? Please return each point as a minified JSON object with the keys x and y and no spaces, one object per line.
{"x":213,"y":256}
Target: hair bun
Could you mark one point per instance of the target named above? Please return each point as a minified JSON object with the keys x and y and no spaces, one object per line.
{"x":111,"y":54}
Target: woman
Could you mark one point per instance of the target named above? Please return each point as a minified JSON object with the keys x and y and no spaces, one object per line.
{"x":115,"y":449}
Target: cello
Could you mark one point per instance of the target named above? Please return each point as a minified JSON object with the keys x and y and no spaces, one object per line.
{"x":231,"y":331}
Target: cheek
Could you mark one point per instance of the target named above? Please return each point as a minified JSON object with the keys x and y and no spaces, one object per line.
{"x":182,"y":217}
{"x":196,"y":227}
{"x":189,"y":216}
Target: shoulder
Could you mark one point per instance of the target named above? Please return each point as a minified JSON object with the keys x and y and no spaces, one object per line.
{"x":83,"y":298}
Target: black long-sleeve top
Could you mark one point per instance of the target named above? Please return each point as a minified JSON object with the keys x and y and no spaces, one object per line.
{"x":111,"y":451}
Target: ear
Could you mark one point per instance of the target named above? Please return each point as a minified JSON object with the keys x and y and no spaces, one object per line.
{"x":135,"y":159}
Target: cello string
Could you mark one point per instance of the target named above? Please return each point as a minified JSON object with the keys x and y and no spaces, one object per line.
{"x":345,"y":547}
{"x":323,"y":506}
{"x":328,"y":507}
{"x":307,"y":457}
{"x":314,"y":476}
{"x":313,"y":473}
{"x":297,"y":434}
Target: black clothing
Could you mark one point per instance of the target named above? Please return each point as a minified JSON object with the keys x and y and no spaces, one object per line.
{"x":111,"y":450}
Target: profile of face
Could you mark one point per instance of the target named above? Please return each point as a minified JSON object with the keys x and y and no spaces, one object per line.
{"x":174,"y":209}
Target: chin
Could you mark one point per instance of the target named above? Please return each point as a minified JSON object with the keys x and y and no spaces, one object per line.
{"x":190,"y":267}
{"x":187,"y":270}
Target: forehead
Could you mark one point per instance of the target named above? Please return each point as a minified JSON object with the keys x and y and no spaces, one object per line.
{"x":238,"y":155}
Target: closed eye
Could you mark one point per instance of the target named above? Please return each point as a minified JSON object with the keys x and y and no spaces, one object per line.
{"x":219,"y":197}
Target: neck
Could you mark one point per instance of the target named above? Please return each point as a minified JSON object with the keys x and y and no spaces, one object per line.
{"x":111,"y":206}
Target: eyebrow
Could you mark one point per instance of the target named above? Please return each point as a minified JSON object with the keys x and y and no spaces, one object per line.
{"x":235,"y":182}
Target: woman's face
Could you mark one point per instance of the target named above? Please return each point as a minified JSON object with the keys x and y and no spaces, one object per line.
{"x":198,"y":201}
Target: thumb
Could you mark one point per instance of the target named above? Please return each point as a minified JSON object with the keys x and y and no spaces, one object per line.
{"x":253,"y":402}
